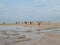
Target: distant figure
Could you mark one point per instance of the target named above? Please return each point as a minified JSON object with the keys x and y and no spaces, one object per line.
{"x":16,"y":22}
{"x":25,"y":22}
{"x":39,"y":23}
{"x":3,"y":22}
{"x":30,"y":22}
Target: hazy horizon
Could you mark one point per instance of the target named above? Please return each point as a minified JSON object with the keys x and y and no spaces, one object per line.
{"x":29,"y":10}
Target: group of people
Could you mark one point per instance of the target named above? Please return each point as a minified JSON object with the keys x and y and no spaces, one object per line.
{"x":28,"y":22}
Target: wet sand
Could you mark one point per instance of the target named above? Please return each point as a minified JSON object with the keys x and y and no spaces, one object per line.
{"x":26,"y":34}
{"x":50,"y":39}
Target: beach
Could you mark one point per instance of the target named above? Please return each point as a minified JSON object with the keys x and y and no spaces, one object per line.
{"x":46,"y":33}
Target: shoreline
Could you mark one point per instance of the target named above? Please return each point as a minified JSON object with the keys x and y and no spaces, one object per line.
{"x":42,"y":26}
{"x":46,"y":37}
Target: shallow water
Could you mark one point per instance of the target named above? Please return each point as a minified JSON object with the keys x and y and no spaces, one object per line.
{"x":30,"y":32}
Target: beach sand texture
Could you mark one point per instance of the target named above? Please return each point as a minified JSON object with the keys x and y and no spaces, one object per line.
{"x":30,"y":34}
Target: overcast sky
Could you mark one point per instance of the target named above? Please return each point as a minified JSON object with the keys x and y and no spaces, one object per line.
{"x":29,"y":10}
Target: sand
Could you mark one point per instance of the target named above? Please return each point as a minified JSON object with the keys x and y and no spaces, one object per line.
{"x":49,"y":40}
{"x":39,"y":35}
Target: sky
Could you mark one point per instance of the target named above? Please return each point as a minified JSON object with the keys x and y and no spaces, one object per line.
{"x":29,"y":10}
